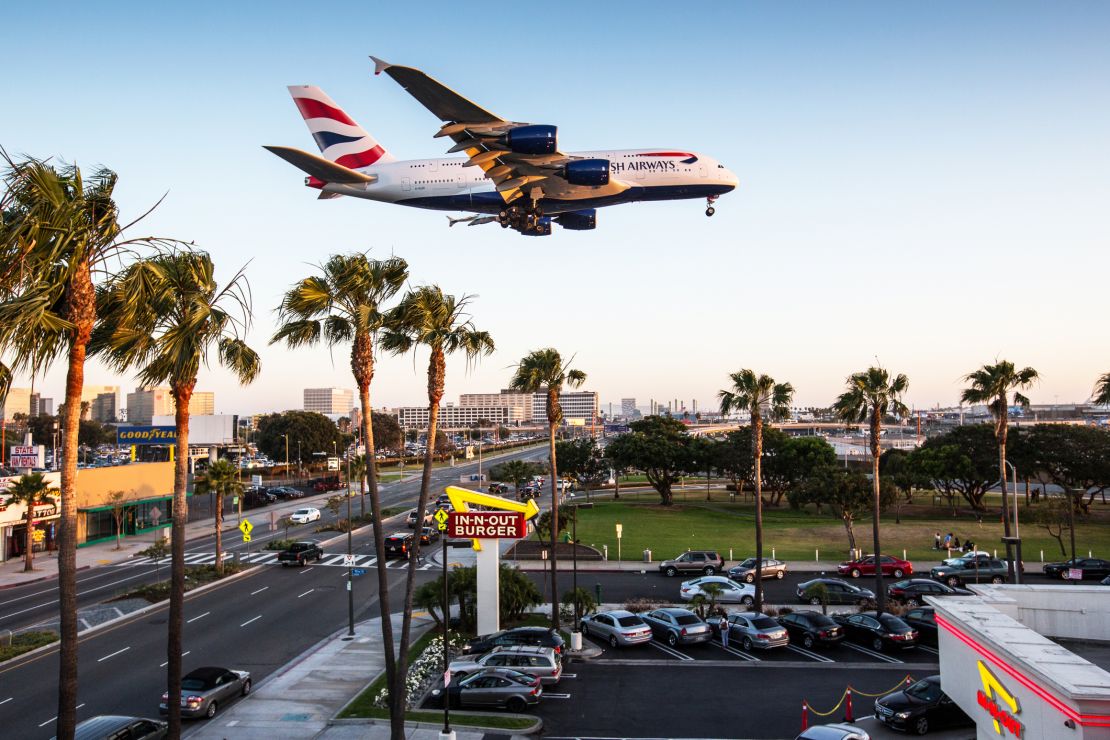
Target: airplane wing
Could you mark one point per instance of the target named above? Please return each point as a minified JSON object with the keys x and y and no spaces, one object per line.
{"x":516,"y":157}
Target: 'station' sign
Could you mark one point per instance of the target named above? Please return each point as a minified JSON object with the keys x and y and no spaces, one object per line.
{"x":486,"y":525}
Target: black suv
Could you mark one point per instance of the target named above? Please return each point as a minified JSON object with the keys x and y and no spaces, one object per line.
{"x":398,"y":544}
{"x":538,"y":636}
{"x":811,"y":629}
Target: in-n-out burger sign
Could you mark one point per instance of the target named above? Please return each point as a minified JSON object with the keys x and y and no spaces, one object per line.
{"x":1000,"y":703}
{"x":486,"y":525}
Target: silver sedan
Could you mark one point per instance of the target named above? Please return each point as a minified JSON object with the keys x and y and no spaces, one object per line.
{"x":204,"y":690}
{"x":756,"y":631}
{"x":618,"y":628}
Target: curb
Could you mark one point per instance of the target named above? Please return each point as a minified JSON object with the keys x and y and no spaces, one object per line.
{"x":40,"y":580}
{"x":537,"y":723}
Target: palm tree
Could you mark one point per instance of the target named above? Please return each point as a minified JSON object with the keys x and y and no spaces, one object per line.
{"x":222,"y":479}
{"x":30,"y":490}
{"x":871,"y":396}
{"x":164,"y":316}
{"x":426,"y":317}
{"x":358,"y":472}
{"x":1102,"y":390}
{"x":58,"y":229}
{"x":345,"y":304}
{"x":760,"y":396}
{"x":992,"y":385}
{"x":516,"y":472}
{"x":544,"y":371}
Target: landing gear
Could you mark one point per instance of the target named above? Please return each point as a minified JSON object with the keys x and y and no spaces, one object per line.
{"x":524,"y":219}
{"x":709,"y":201}
{"x":710,"y":211}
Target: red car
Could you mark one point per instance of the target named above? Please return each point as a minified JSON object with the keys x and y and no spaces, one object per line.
{"x":865,"y":566}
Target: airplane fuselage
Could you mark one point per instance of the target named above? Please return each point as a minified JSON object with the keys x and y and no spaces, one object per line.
{"x":446,"y":184}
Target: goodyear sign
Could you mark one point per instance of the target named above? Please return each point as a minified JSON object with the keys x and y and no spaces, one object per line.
{"x":146,"y":435}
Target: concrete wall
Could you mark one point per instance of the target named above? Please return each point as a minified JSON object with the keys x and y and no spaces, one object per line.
{"x":138,"y":481}
{"x":1072,"y":612}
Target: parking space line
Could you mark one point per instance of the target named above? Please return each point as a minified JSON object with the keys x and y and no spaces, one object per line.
{"x":737,"y":653}
{"x":808,"y":654}
{"x":670,"y":651}
{"x":565,"y":675}
{"x":872,"y":653}
{"x":547,"y":695}
{"x":302,"y":571}
{"x":928,"y":649}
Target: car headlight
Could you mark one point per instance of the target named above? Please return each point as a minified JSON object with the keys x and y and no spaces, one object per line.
{"x":903,"y":715}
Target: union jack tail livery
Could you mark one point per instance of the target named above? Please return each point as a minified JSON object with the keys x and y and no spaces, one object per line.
{"x":340,"y":139}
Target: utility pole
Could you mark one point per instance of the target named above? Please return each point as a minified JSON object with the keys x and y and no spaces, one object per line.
{"x":350,"y":561}
{"x":446,"y":675}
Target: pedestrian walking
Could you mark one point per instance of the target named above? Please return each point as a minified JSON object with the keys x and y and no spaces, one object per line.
{"x":936,"y":541}
{"x":723,"y":625}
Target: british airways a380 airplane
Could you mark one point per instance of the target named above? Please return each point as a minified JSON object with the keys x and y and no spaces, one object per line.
{"x":514,"y":173}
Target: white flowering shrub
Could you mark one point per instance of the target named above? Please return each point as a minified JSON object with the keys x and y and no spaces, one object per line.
{"x":427,"y":668}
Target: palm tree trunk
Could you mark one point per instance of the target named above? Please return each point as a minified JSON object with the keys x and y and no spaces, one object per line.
{"x":437,"y":371}
{"x":554,"y":525}
{"x":219,"y":532}
{"x":29,"y":545}
{"x":880,"y":596}
{"x":182,"y":392}
{"x":757,"y":463}
{"x":1003,"y":424}
{"x":82,"y":313}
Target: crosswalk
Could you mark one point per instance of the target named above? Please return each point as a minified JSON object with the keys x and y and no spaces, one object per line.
{"x":269,"y":557}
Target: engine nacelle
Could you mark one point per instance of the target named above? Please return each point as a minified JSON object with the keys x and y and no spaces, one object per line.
{"x":538,"y":139}
{"x":587,"y":172}
{"x":583,"y":220}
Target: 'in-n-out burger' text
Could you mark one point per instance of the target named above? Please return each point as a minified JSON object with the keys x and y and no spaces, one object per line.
{"x":486,"y":525}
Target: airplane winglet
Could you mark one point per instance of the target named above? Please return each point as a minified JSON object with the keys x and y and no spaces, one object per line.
{"x":380,"y":65}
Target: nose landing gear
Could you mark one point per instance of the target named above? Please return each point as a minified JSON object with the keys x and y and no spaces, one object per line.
{"x":709,"y":201}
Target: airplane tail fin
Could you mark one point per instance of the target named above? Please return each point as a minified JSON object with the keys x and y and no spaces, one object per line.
{"x":340,"y":139}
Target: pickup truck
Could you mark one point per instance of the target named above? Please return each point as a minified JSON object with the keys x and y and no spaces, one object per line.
{"x":300,"y":553}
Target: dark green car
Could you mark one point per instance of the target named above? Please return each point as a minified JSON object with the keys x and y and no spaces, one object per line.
{"x":984,"y":571}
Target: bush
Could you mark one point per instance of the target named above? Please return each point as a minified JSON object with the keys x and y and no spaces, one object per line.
{"x":586,"y":604}
{"x":640,"y":605}
{"x":26,"y":642}
{"x":279,"y":544}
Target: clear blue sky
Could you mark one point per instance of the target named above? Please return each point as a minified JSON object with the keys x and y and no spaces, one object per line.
{"x":896,"y":160}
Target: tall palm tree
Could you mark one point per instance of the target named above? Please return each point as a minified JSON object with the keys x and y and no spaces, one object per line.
{"x":544,"y":371}
{"x":358,"y":472}
{"x":30,"y":490}
{"x":426,"y":317}
{"x":59,"y":231}
{"x":222,"y":479}
{"x":164,"y":316}
{"x":992,"y":385}
{"x":345,"y":303}
{"x":1102,"y":390}
{"x":871,"y":396}
{"x":761,"y":397}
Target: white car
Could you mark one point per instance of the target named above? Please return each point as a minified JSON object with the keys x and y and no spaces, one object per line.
{"x":305,"y":515}
{"x":730,"y":591}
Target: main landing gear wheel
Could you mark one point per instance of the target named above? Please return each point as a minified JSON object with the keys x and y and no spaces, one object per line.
{"x":710,"y":211}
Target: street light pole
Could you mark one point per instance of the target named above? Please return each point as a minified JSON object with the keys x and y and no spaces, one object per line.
{"x":446,"y":616}
{"x":1017,"y":531}
{"x":350,"y":560}
{"x":287,"y":455}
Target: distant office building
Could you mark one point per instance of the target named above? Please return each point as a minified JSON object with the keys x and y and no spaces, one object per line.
{"x":510,"y":398}
{"x":40,"y":405}
{"x":202,"y":403}
{"x":356,"y":419}
{"x":103,"y":408}
{"x":17,"y":402}
{"x":579,"y":407}
{"x":456,"y":417}
{"x":329,"y":400}
{"x":146,"y":403}
{"x":628,"y":408}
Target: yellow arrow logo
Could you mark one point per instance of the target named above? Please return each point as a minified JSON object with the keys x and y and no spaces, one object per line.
{"x":461,"y":497}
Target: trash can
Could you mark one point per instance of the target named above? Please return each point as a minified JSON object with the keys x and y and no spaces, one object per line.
{"x":647,"y":556}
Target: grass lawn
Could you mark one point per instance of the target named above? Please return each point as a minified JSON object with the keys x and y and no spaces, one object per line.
{"x":25,"y":642}
{"x":795,"y":535}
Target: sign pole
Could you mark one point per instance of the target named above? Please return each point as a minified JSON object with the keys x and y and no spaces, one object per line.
{"x":446,"y":611}
{"x":350,"y":560}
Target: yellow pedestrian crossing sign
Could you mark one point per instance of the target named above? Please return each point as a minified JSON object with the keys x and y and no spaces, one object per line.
{"x":245,"y":527}
{"x":441,"y":519}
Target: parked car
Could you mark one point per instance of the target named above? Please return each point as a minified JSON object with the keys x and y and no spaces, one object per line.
{"x":413,"y":517}
{"x":973,"y":571}
{"x":979,"y":555}
{"x":730,"y":592}
{"x":835,"y":731}
{"x":755,"y":631}
{"x":694,"y":561}
{"x":836,"y":591}
{"x":204,"y":690}
{"x":444,"y":502}
{"x":877,"y":631}
{"x":618,"y":628}
{"x":331,"y":484}
{"x":428,"y":535}
{"x":865,"y":566}
{"x":493,"y":688}
{"x":254,"y":497}
{"x":305,"y":515}
{"x":677,"y":626}
{"x":499,"y":488}
{"x":527,"y":493}
{"x":920,"y":707}
{"x":1089,"y":567}
{"x":745,"y":571}
{"x":541,"y":662}
{"x":116,"y":727}
{"x":912,"y":591}
{"x":286,"y":492}
{"x":300,"y":553}
{"x":541,"y":636}
{"x":811,"y":629}
{"x":924,"y":620}
{"x":398,"y":544}
{"x":1105,"y":581}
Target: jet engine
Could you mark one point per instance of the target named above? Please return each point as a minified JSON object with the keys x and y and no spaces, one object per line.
{"x":536,"y":139}
{"x":583,"y":220}
{"x":587,"y":172}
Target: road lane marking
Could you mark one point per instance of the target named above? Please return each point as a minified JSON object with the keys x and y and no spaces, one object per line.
{"x":29,"y":609}
{"x":306,"y":593}
{"x":199,"y":616}
{"x":670,"y":651}
{"x":244,"y":624}
{"x":872,"y":653}
{"x":809,"y":654}
{"x":163,"y":665}
{"x":259,"y":590}
{"x":44,"y":724}
{"x":112,"y":655}
{"x":302,"y":571}
{"x":7,"y":700}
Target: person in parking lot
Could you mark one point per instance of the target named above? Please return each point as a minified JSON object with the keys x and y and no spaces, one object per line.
{"x":723,"y":624}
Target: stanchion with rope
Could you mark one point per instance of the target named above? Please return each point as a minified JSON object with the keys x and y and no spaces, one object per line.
{"x":848,"y":707}
{"x":904,"y":682}
{"x":805,"y":716}
{"x":846,"y":700}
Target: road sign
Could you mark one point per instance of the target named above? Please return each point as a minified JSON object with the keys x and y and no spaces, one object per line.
{"x":246,"y":537}
{"x":155,"y":515}
{"x":619,"y":530}
{"x":358,"y":571}
{"x":461,"y":498}
{"x":487,"y":525}
{"x":348,"y":561}
{"x":245,"y":526}
{"x":440,"y":516}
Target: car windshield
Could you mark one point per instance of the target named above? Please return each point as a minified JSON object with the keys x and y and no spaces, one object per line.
{"x":902,"y":584}
{"x":302,"y":511}
{"x":894,"y":624}
{"x":631,"y":621}
{"x":925,"y":691}
{"x":764,"y":623}
{"x":688,"y":619}
{"x":749,"y":563}
{"x":820,"y":620}
{"x":521,"y":678}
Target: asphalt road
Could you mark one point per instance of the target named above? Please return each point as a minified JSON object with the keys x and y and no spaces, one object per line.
{"x":257,"y":621}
